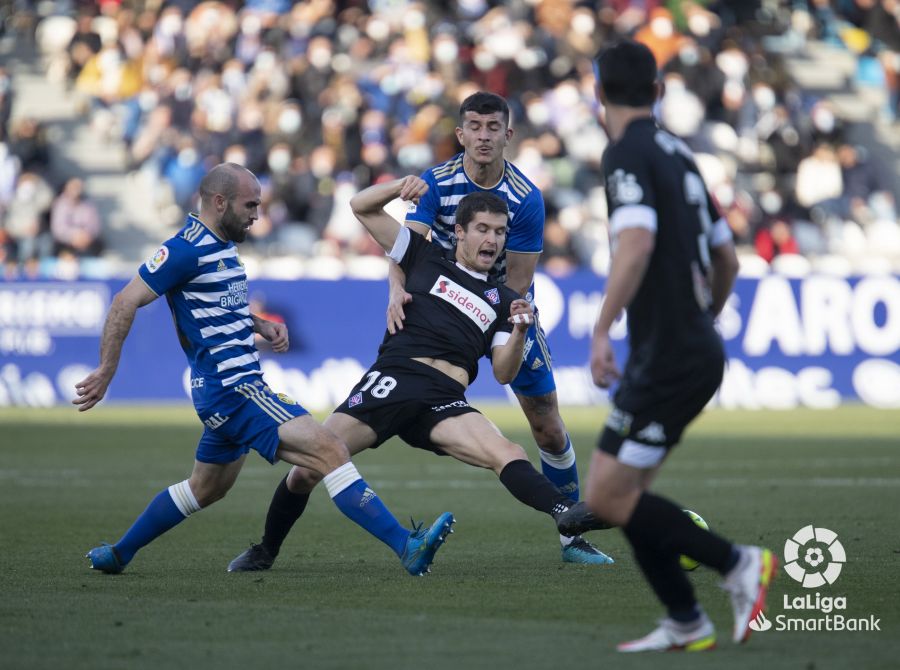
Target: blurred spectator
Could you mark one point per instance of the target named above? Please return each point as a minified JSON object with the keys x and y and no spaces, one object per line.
{"x":75,"y":222}
{"x":775,"y":239}
{"x":559,"y":257}
{"x":26,"y":220}
{"x":864,"y":197}
{"x":84,"y":45}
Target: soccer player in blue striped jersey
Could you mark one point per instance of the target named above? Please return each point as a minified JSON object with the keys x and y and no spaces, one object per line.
{"x":203,"y":279}
{"x":484,"y":131}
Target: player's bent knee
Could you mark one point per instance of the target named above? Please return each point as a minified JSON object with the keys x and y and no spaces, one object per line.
{"x":302,"y":480}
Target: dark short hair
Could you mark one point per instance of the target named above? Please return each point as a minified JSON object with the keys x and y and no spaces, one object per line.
{"x":626,"y":72}
{"x":484,"y":103}
{"x":479,"y":201}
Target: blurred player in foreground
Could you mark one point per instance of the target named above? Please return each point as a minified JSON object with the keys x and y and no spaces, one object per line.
{"x":673,"y":266}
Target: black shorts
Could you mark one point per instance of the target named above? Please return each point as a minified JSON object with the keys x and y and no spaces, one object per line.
{"x":648,"y":417}
{"x":406,"y":398}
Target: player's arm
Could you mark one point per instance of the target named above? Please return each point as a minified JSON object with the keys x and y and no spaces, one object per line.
{"x":634,"y":246}
{"x":368,"y":206}
{"x":507,"y":347}
{"x":520,"y":271}
{"x":92,"y":388}
{"x":397,"y":295}
{"x":276,"y":333}
{"x":723,"y":271}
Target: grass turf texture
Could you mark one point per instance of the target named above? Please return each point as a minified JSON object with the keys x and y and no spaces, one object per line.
{"x":499,"y":596}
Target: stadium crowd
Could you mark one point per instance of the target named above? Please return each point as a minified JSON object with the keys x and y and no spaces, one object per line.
{"x":322,"y":98}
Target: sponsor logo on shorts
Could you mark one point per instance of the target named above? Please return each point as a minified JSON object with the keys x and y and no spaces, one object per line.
{"x":619,"y":421}
{"x":451,"y":405}
{"x":355,"y":399}
{"x":197,"y":382}
{"x":285,"y":398}
{"x":529,"y":342}
{"x":493,"y":296}
{"x":473,"y":307}
{"x":653,"y":432}
{"x":157,"y":260}
{"x":537,"y":363}
{"x":411,"y":208}
{"x":216,"y":420}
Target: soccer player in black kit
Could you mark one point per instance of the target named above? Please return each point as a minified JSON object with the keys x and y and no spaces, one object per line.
{"x":673,"y":266}
{"x":416,"y":387}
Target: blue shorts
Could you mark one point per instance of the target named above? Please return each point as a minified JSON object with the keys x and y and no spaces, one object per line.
{"x":535,"y":377}
{"x":241,"y":418}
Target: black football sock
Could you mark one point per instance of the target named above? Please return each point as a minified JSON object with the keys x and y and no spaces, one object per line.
{"x":532,"y":488}
{"x":667,"y":579}
{"x":284,"y":510}
{"x":659,"y":524}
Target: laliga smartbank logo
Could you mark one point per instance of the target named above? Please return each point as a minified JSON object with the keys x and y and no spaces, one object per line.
{"x":814,"y":557}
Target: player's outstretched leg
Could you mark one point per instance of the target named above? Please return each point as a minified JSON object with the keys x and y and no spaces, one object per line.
{"x":284,"y":510}
{"x":169,"y":508}
{"x":416,"y":548}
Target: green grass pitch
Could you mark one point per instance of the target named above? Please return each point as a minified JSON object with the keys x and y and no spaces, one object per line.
{"x":499,"y":596}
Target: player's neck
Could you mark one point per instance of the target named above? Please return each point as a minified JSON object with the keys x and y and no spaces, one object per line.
{"x":209,"y":222}
{"x":485,"y":175}
{"x":619,"y":117}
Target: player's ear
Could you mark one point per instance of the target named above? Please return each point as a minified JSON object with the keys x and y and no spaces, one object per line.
{"x":459,"y":231}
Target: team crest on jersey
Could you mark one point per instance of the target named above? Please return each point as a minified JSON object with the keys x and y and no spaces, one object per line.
{"x":493,"y":296}
{"x":286,"y":399}
{"x":624,"y":188}
{"x":157,"y":260}
{"x":355,"y":399}
{"x":473,"y":307}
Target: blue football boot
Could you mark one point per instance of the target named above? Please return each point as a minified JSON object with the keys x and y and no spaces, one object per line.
{"x":581,"y":551}
{"x":104,"y":558}
{"x":423,"y":544}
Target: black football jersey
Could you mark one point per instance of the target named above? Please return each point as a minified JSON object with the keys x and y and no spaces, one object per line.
{"x":453,"y":315}
{"x":653,"y":182}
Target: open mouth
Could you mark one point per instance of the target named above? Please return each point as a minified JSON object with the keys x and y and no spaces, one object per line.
{"x":486,"y":256}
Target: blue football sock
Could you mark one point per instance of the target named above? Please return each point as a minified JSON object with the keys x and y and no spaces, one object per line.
{"x":359,"y":503}
{"x":561,"y":469}
{"x":169,"y":508}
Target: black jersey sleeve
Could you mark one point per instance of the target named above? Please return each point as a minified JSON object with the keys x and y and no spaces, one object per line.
{"x":409,"y":248}
{"x":630,"y":195}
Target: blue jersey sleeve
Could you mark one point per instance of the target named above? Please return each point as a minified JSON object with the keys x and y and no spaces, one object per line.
{"x":173,"y":264}
{"x":526,"y":230}
{"x":426,"y":210}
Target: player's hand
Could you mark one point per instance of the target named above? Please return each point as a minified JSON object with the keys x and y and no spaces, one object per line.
{"x":603,"y":363}
{"x":90,"y":390}
{"x":412,"y":188}
{"x":395,"y":314}
{"x":276,"y":334}
{"x":521,"y":313}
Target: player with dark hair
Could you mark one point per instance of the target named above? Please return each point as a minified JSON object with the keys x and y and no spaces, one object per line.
{"x":416,"y":388}
{"x":484,"y":131}
{"x":205,"y":285}
{"x":673,"y":266}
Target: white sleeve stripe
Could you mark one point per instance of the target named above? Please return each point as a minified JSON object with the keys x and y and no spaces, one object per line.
{"x":633,"y":216}
{"x":500,"y":338}
{"x":401,"y":244}
{"x":721,"y":233}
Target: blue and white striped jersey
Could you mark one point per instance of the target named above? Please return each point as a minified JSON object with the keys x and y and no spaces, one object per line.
{"x":206,"y":287}
{"x":448,"y":183}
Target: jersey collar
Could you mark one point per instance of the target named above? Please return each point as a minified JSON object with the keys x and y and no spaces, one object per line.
{"x":195,"y":218}
{"x":477,"y":275}
{"x":476,"y":184}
